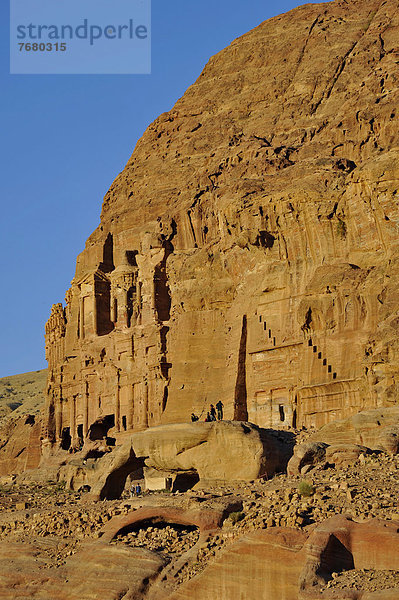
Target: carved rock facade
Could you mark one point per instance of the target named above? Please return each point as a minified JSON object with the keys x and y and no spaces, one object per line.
{"x":248,"y":252}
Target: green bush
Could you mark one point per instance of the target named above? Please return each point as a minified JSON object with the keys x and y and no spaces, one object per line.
{"x":305,"y":488}
{"x":236,"y":517}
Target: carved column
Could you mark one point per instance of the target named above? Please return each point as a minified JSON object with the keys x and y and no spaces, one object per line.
{"x":130,"y":423}
{"x":81,"y":318}
{"x":122,"y":280}
{"x":145,"y":405}
{"x":86,"y":410}
{"x":125,"y":308}
{"x":72,"y":420}
{"x":95,"y":321}
{"x":118,"y":404}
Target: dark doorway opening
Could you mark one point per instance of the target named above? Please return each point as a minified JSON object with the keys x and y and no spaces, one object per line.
{"x":109,"y":420}
{"x":282,"y":413}
{"x":66,"y":438}
{"x":79,"y":431}
{"x":124,"y":423}
{"x":295,"y":413}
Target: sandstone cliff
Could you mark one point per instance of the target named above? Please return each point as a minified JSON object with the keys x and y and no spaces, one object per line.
{"x":248,"y":252}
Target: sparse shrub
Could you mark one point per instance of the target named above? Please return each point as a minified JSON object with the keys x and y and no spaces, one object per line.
{"x":54,"y":487}
{"x":236,"y":517}
{"x":305,"y":488}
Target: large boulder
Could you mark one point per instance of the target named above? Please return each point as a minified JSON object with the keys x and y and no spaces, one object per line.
{"x":216,"y":451}
{"x":377,"y":429}
{"x":342,"y":455}
{"x":318,"y":454}
{"x":306,"y":456}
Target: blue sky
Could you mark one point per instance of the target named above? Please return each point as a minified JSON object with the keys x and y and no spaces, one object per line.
{"x":66,"y":137}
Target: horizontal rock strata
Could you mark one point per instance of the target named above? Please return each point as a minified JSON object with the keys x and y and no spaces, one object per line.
{"x":248,"y":252}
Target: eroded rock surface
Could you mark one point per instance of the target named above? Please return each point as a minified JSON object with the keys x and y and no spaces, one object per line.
{"x":377,"y":429}
{"x":248,"y":252}
{"x":178,"y":456}
{"x":257,"y":539}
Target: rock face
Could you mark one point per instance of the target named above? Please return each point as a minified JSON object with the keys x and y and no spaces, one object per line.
{"x":340,"y":544}
{"x":377,"y":429}
{"x":285,"y":564}
{"x":181,"y":455}
{"x":216,"y":451}
{"x":259,"y":566}
{"x":20,"y":448}
{"x":248,"y":252}
{"x":96,"y":572}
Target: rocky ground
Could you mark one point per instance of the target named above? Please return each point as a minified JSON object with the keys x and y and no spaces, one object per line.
{"x":59,"y":521}
{"x":368,"y":580}
{"x":364,"y":490}
{"x":160,"y":537}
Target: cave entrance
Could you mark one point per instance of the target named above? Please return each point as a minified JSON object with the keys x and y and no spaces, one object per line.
{"x":185,"y":481}
{"x":66,"y":438}
{"x":335,"y":558}
{"x":116,"y":481}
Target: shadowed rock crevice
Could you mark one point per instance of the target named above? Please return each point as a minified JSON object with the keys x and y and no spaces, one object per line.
{"x":240,"y":395}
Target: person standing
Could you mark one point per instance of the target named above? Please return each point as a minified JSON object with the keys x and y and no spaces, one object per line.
{"x":213,"y":413}
{"x":219,"y":407}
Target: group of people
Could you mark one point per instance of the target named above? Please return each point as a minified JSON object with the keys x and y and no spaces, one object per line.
{"x":135,"y":490}
{"x":214,"y":414}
